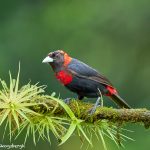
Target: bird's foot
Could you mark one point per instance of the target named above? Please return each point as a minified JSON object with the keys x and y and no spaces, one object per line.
{"x":101,"y":102}
{"x":92,"y":111}
{"x":101,"y":98}
{"x":67,"y":100}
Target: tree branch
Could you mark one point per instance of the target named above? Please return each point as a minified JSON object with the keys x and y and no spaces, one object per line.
{"x":81,"y":111}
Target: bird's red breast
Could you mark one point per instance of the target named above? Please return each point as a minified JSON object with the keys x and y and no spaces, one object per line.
{"x":64,"y":77}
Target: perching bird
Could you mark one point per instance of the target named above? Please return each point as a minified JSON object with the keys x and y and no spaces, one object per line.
{"x":82,"y":79}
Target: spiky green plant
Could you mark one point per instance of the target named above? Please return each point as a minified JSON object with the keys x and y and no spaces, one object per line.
{"x":27,"y":108}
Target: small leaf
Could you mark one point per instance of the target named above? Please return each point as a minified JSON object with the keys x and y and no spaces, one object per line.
{"x":17,"y":81}
{"x":65,"y":106}
{"x":4,"y":116}
{"x":53,"y":94}
{"x":84,"y":134}
{"x":15,"y":118}
{"x":102,"y":138}
{"x":69,"y":132}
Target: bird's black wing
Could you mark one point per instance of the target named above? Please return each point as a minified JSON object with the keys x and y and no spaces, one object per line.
{"x":80,"y":69}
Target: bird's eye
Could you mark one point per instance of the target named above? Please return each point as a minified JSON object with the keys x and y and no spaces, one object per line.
{"x":53,"y":55}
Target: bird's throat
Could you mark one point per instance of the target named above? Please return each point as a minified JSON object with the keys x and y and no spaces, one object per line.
{"x":64,"y":77}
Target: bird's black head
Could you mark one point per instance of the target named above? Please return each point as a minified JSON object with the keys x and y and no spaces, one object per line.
{"x":57,"y":59}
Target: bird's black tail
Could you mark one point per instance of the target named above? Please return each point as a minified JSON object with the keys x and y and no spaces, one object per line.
{"x":119,"y":101}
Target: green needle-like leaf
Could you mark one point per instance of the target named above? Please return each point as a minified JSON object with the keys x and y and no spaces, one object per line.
{"x":102,"y":138}
{"x":4,"y":116}
{"x":14,"y":114}
{"x":84,"y":134}
{"x":17,"y":81}
{"x":69,"y":132}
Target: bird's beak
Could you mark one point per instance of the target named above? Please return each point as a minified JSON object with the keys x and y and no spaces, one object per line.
{"x":48,"y":60}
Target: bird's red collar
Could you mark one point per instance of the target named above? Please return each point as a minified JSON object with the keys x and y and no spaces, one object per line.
{"x":67,"y":59}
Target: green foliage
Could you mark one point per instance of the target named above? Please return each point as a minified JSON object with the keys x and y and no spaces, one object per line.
{"x":19,"y":110}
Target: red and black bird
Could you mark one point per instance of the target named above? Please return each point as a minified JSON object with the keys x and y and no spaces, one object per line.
{"x":82,"y":79}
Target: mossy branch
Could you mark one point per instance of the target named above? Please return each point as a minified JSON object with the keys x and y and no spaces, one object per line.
{"x":114,"y":115}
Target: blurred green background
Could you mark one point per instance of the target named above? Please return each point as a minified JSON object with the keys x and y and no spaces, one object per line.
{"x":112,"y":36}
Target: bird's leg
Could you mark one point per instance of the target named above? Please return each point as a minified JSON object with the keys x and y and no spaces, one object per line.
{"x":92,"y":111}
{"x":99,"y":100}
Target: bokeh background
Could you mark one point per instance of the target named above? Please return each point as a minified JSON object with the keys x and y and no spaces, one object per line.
{"x":112,"y":36}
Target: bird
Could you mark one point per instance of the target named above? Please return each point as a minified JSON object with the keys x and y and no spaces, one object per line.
{"x":82,"y":79}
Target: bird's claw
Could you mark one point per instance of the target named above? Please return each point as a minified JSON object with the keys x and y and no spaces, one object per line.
{"x":67,"y":100}
{"x":92,"y":111}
